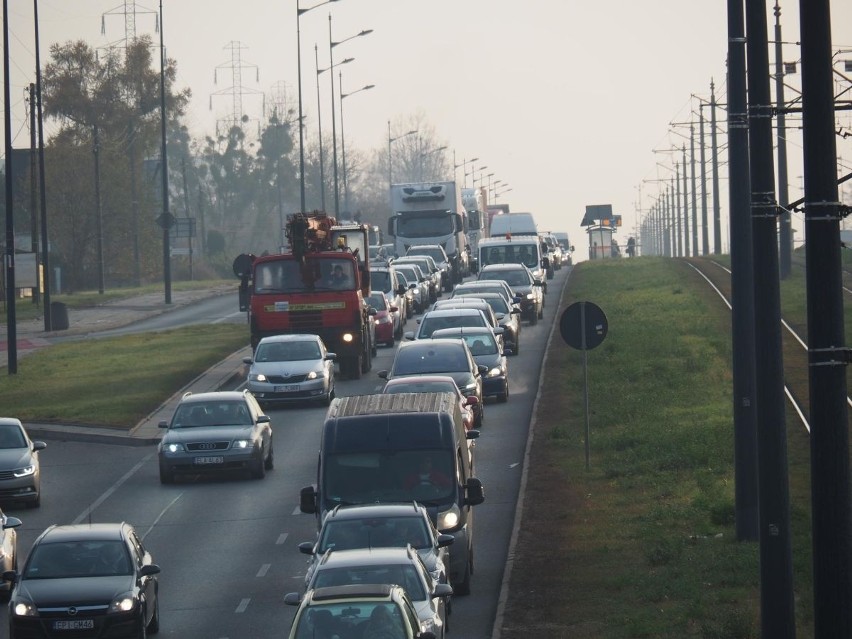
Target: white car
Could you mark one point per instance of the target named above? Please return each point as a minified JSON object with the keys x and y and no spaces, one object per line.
{"x":291,"y":368}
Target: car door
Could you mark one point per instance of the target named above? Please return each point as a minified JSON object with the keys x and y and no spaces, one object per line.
{"x":147,"y":584}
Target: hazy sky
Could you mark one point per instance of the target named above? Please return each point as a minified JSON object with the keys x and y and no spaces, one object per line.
{"x":564,"y":101}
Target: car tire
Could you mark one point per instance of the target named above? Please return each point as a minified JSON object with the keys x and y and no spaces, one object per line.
{"x":258,"y":469}
{"x":166,"y":477}
{"x":541,"y":311}
{"x":462,"y":587}
{"x":143,"y":628}
{"x":533,"y":318}
{"x":269,"y":463}
{"x":374,"y":349}
{"x":517,"y":346}
{"x":504,"y":396}
{"x":326,"y":401}
{"x":154,"y":624}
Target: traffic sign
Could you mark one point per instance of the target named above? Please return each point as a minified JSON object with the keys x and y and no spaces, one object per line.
{"x":583,"y":325}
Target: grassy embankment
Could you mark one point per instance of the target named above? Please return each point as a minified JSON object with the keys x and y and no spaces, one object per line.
{"x":644,"y":544}
{"x":115,"y":381}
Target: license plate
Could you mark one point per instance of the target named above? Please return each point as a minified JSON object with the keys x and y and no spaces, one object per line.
{"x":203,"y":461}
{"x":75,"y":624}
{"x":289,"y":388}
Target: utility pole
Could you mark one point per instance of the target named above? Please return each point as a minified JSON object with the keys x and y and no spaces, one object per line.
{"x":11,"y":318}
{"x":785,"y":227}
{"x":685,"y":208}
{"x":776,"y":570}
{"x":33,"y":199}
{"x":717,"y":215}
{"x":96,"y":149}
{"x":827,"y":353}
{"x":676,"y":210}
{"x":694,"y":190}
{"x":705,"y":240}
{"x":45,"y":252}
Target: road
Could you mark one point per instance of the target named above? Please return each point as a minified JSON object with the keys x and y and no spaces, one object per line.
{"x":228,"y":546}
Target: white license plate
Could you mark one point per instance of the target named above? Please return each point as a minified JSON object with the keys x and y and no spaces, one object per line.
{"x":204,"y":461}
{"x":288,"y":388}
{"x":75,"y":624}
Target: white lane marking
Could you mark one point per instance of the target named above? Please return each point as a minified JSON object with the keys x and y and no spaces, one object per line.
{"x":282,"y":538}
{"x":263,"y":570}
{"x":298,"y":511}
{"x":242,"y":607}
{"x":514,"y":465}
{"x":227,"y":317}
{"x":86,"y":513}
{"x":160,"y":516}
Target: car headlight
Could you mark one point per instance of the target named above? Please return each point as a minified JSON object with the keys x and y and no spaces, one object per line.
{"x":428,"y":625}
{"x":173,"y":448}
{"x":124,"y":602}
{"x":243,"y":444}
{"x":530,"y":296}
{"x":495,"y":372}
{"x":312,"y":375}
{"x":25,"y":609}
{"x":26,"y":471}
{"x":448,"y":519}
{"x":257,"y":377}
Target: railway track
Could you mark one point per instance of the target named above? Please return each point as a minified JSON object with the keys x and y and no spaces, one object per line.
{"x":794,"y":345}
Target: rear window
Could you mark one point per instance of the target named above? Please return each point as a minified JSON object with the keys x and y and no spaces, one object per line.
{"x":431,"y":324}
{"x":380,"y":280}
{"x":377,"y":302}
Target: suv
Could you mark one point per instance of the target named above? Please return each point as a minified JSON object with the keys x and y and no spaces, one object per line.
{"x":437,"y":253}
{"x":328,"y":612}
{"x":209,"y":432}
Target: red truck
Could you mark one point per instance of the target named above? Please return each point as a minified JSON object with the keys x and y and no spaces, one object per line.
{"x":318,"y":286}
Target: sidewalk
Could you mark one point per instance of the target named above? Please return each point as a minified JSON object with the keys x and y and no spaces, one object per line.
{"x":87,"y":321}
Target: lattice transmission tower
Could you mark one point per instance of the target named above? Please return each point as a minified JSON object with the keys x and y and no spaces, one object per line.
{"x":237,"y":90}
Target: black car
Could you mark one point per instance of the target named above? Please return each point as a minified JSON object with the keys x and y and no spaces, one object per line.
{"x":523,"y":284}
{"x":487,"y":352}
{"x":86,"y":580}
{"x":508,"y":316}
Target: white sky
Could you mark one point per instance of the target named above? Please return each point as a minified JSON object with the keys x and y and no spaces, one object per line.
{"x":565,"y":101}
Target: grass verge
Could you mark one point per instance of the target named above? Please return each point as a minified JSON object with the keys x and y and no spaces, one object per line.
{"x":115,"y":381}
{"x":643,"y":543}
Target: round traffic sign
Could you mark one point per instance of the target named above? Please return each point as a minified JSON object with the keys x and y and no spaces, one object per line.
{"x":583,"y":325}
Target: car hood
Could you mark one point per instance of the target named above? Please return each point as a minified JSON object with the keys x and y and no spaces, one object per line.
{"x":15,"y":457}
{"x":288,"y":369}
{"x":425,"y":609}
{"x":207,"y":433}
{"x":487,"y":360}
{"x":46,"y":593}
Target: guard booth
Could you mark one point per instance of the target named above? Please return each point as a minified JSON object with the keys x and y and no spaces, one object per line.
{"x":601,"y":226}
{"x":600,"y":242}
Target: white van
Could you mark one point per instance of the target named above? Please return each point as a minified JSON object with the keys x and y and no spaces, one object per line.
{"x":523,"y":249}
{"x":514,"y":224}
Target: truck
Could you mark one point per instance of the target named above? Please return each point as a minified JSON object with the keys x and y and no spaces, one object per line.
{"x":495,"y":209}
{"x":317,"y":285}
{"x":431,"y":213}
{"x":475,"y":205}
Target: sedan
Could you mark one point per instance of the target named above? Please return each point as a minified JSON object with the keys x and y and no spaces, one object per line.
{"x":441,"y":357}
{"x":508,"y":316}
{"x":8,"y":551}
{"x":523,"y":284}
{"x":213,"y":432}
{"x":451,"y":318}
{"x":486,"y":352}
{"x":20,"y":474}
{"x":86,"y":580}
{"x":291,"y":368}
{"x":371,"y":525}
{"x":387,"y":565}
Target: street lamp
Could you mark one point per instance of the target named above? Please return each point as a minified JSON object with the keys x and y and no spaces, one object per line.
{"x":429,"y":152}
{"x":390,"y":140}
{"x":299,"y":13}
{"x":343,"y":139}
{"x":464,"y":174}
{"x":498,"y":194}
{"x":473,"y":173}
{"x":331,"y":45}
{"x":319,"y":109}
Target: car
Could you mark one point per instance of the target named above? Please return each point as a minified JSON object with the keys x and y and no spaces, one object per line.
{"x":477,"y":303}
{"x":412,"y":291}
{"x":523,"y":284}
{"x":486,"y":351}
{"x":86,"y":580}
{"x":449,"y":357}
{"x":435,"y":384}
{"x":384,"y":278}
{"x":487,"y":286}
{"x":8,"y":551}
{"x":344,"y":611}
{"x":437,"y":253}
{"x":383,"y":318}
{"x":508,"y":316}
{"x":291,"y":368}
{"x":418,"y":283}
{"x":554,"y":250}
{"x":20,"y":471}
{"x":377,"y":254}
{"x":388,"y":565}
{"x":215,"y":432}
{"x":451,"y":318}
{"x":430,"y":269}
{"x":371,"y":525}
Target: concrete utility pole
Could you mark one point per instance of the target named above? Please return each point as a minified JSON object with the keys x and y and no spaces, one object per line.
{"x":717,"y":215}
{"x":45,"y":257}
{"x":705,"y":240}
{"x":11,"y":318}
{"x":678,"y":251}
{"x":694,"y":190}
{"x":685,"y":207}
{"x":776,"y":569}
{"x":785,"y":227}
{"x":827,"y":352}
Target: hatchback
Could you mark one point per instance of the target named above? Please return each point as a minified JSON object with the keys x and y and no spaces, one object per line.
{"x":451,"y":318}
{"x":486,"y":351}
{"x":291,"y":368}
{"x":20,"y":471}
{"x":508,"y":315}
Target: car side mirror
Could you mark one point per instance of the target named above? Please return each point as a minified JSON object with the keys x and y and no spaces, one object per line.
{"x":163,"y":424}
{"x":248,"y":360}
{"x":308,"y":500}
{"x":383,"y":374}
{"x":263,"y":419}
{"x":482,"y":370}
{"x":10,"y":575}
{"x":442,"y":590}
{"x":471,"y":400}
{"x":11,"y":522}
{"x":39,"y":445}
{"x":475,"y":494}
{"x":331,"y":356}
{"x":149,"y":569}
{"x":292,"y":599}
{"x":445,"y":540}
{"x":306,"y":548}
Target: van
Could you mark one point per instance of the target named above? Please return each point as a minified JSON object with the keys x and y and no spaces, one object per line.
{"x":376,"y":449}
{"x":514,"y":224}
{"x":517,"y":249}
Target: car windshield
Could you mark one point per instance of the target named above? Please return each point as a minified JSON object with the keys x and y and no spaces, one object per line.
{"x":377,"y":302}
{"x":409,"y":274}
{"x":525,"y":254}
{"x":288,"y":276}
{"x":497,"y":303}
{"x":478,"y":343}
{"x":11,"y":436}
{"x":373,"y":532}
{"x":287,"y":351}
{"x":512,"y":278}
{"x":424,"y":265}
{"x":196,"y":414}
{"x":433,"y":224}
{"x":475,"y":288}
{"x":89,"y":558}
{"x":430,"y":324}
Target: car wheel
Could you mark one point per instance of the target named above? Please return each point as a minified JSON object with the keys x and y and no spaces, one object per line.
{"x":504,"y":396}
{"x":533,"y":318}
{"x":154,"y":624}
{"x":541,"y":311}
{"x":143,"y":627}
{"x":517,"y":346}
{"x":462,"y":587}
{"x":258,"y":469}
{"x":35,"y":503}
{"x":166,"y":476}
{"x":269,"y":464}
{"x":480,"y":416}
{"x":374,"y":349}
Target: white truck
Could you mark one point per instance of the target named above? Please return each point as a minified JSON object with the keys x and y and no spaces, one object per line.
{"x":475,"y":205}
{"x":431,"y":213}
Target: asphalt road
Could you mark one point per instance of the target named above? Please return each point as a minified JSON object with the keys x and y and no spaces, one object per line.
{"x":228,"y":546}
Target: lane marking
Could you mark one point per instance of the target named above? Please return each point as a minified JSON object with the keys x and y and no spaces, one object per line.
{"x":281,"y":538}
{"x":242,"y":607}
{"x":87,"y":513}
{"x":263,"y":570}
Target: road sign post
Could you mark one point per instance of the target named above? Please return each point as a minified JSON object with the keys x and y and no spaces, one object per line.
{"x":583,"y":326}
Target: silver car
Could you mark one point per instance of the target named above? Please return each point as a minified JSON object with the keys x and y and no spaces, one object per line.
{"x":291,"y":368}
{"x":20,"y":476}
{"x":215,"y":432}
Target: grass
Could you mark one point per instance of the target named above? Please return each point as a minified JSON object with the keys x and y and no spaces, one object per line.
{"x":643,"y":544}
{"x":116,"y":381}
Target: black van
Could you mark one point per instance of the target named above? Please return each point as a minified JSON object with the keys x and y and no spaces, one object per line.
{"x":401,"y":448}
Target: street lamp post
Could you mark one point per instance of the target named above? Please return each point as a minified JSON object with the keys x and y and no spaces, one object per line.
{"x":390,"y":160}
{"x":319,"y":126}
{"x":462,"y":165}
{"x":427,"y":153}
{"x":331,"y":45}
{"x":343,"y":139}
{"x":299,"y":13}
